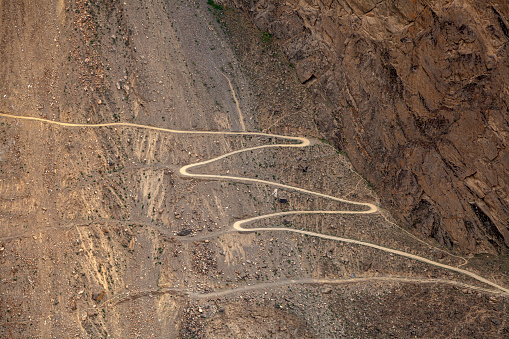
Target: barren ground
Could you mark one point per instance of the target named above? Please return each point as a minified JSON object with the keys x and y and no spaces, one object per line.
{"x":102,"y":236}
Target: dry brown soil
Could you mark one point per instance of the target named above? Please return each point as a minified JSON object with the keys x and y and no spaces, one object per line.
{"x":100,"y":236}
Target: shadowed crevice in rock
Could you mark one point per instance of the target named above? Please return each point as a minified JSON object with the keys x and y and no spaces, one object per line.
{"x":425,"y":217}
{"x":492,"y":233}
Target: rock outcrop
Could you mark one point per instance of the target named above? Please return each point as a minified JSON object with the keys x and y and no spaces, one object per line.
{"x":417,"y":94}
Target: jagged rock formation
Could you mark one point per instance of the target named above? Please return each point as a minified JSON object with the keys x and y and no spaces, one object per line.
{"x":417,"y":94}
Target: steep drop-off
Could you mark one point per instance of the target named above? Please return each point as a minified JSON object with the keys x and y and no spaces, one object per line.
{"x":417,"y":95}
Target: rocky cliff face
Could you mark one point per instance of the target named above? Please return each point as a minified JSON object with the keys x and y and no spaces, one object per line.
{"x":418,"y":96}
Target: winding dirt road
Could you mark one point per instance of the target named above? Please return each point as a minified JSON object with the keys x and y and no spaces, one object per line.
{"x":129,"y":296}
{"x":238,"y":225}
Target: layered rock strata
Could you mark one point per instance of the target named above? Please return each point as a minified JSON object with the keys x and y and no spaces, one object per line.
{"x":417,"y":94}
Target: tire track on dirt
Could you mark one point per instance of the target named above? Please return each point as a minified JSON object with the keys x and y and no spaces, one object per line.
{"x":130,"y":296}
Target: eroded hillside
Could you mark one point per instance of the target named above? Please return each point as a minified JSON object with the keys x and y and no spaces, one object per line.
{"x":102,"y":234}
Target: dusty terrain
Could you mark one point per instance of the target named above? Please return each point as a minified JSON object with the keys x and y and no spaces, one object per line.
{"x":102,"y":234}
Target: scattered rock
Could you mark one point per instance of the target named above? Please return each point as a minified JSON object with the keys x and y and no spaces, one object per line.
{"x":98,"y":296}
{"x":326,"y":290}
{"x":184,"y":232}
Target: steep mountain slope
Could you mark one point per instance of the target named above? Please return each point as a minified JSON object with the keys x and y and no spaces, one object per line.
{"x":418,"y":98}
{"x":102,"y":103}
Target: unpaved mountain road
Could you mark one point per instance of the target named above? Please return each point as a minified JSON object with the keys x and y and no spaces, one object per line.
{"x":303,"y":142}
{"x":121,"y":298}
{"x":129,"y":184}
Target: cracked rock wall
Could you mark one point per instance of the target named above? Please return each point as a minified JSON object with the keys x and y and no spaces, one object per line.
{"x":417,"y":94}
